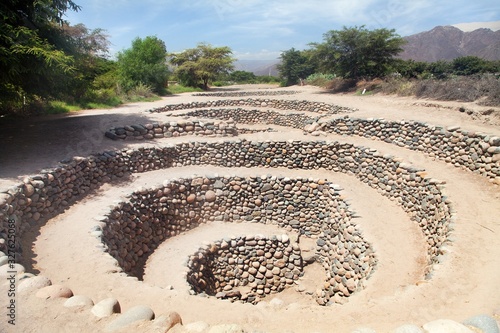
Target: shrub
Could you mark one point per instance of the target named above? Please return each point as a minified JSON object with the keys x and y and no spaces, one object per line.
{"x":141,"y":90}
{"x":341,"y":85}
{"x":319,"y":79}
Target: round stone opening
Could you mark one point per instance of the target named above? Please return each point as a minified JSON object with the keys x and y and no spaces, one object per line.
{"x":245,"y":268}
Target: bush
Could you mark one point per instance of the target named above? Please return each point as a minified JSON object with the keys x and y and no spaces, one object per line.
{"x":319,"y":79}
{"x":267,"y":79}
{"x":179,"y":89}
{"x":141,"y":90}
{"x":398,"y":86}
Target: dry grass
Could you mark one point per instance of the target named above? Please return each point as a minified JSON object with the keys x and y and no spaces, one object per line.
{"x":338,"y":85}
{"x":485,"y":88}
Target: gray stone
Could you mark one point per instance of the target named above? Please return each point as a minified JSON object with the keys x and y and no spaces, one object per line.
{"x":485,"y":323}
{"x":34,"y":283}
{"x":78,"y":301}
{"x":106,"y":308}
{"x":4,"y":260}
{"x":5,"y":270}
{"x":137,"y":313}
{"x":445,"y":326}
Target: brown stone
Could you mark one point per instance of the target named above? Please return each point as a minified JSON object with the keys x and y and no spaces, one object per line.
{"x":54,"y":291}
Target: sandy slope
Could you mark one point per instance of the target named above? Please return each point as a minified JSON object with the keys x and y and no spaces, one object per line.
{"x":464,"y":284}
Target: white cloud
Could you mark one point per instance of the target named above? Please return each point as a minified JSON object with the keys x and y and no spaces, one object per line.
{"x":495,"y":25}
{"x":258,"y":55}
{"x":248,"y":25}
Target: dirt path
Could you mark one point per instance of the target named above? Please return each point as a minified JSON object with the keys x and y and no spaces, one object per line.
{"x":464,"y":284}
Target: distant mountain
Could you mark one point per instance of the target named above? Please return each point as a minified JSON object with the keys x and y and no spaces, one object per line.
{"x":258,"y":67}
{"x":449,"y":42}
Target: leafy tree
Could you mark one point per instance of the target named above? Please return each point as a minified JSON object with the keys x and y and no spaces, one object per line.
{"x":295,"y":65}
{"x":439,"y":69}
{"x":31,"y":57}
{"x":409,"y":68}
{"x":357,"y":52}
{"x":88,"y":48}
{"x":144,"y":63}
{"x":242,"y":77}
{"x":469,"y":65}
{"x":204,"y":64}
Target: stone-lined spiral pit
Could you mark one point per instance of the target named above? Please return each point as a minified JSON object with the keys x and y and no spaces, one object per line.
{"x":313,"y":208}
{"x":346,"y":258}
{"x":245,"y":268}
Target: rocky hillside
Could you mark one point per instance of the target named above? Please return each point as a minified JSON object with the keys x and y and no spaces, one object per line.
{"x":448,"y":42}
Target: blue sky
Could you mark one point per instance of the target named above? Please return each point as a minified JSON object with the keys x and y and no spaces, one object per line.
{"x":260,"y":29}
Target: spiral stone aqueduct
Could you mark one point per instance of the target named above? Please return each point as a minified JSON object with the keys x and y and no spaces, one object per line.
{"x":273,"y":210}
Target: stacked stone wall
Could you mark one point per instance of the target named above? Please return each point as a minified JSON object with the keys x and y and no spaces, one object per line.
{"x":303,"y":105}
{"x":171,"y":129}
{"x":248,"y":93}
{"x":244,"y":116}
{"x":49,"y":193}
{"x":245,"y":268}
{"x":474,"y":151}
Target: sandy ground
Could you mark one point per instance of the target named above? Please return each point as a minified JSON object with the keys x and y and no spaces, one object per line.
{"x":464,"y":284}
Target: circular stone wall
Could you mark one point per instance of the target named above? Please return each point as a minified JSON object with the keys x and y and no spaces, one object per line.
{"x":245,"y":268}
{"x":135,"y":228}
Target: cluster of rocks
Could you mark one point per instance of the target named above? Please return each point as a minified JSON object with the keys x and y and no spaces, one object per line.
{"x":245,"y":268}
{"x":134,"y":228}
{"x":242,"y":130}
{"x":477,"y":152}
{"x":245,"y":116}
{"x":172,"y":129}
{"x":303,"y":105}
{"x":52,"y":190}
{"x":249,"y":93}
{"x":41,"y":287}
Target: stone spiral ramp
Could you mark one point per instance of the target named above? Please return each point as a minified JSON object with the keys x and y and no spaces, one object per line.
{"x":462,"y":285}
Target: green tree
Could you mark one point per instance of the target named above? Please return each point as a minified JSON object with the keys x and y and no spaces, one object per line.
{"x":204,"y":64}
{"x":409,"y":68}
{"x":144,"y":63}
{"x":89,"y":49}
{"x":242,"y":77}
{"x":295,"y":65}
{"x":440,"y":69}
{"x":469,"y":65}
{"x":31,"y":56}
{"x":358,"y":52}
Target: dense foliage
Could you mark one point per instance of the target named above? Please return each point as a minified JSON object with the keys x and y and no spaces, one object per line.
{"x":32,"y":44}
{"x":144,"y":63}
{"x":358,"y":52}
{"x":462,"y":66}
{"x":295,"y":65}
{"x":43,"y":58}
{"x":351,"y":53}
{"x":46,"y":61}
